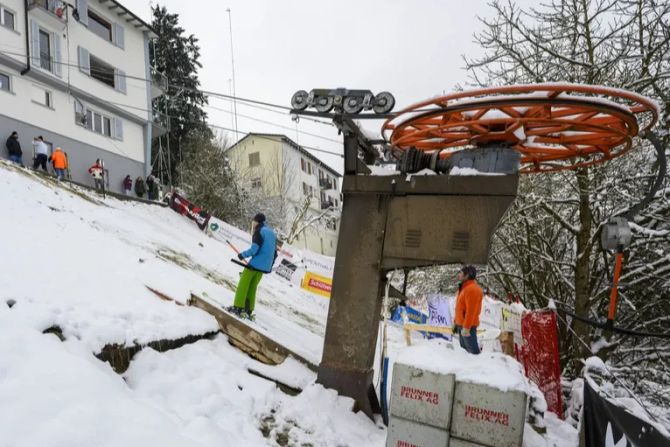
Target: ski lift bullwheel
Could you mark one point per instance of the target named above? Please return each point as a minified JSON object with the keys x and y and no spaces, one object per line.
{"x":554,"y":127}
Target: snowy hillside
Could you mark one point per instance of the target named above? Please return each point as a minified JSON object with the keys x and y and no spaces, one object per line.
{"x":80,"y":264}
{"x":73,"y":261}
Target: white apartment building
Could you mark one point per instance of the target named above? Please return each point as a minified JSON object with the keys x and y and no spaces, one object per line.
{"x":277,"y":167}
{"x":79,"y":75}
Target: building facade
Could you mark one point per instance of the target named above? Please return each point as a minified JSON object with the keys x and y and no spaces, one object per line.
{"x":283,"y":175}
{"x":79,"y":75}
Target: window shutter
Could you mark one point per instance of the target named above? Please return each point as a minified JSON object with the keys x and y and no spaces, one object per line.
{"x":120,"y":81}
{"x":84,"y":61}
{"x":35,"y":42}
{"x":82,"y":9}
{"x":58,"y":57}
{"x":119,"y":37}
{"x":118,"y":129}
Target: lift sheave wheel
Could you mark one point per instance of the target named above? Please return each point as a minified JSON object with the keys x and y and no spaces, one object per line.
{"x":553,"y":126}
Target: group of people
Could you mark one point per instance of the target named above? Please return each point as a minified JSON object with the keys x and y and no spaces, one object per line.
{"x":58,"y":158}
{"x":59,"y":161}
{"x":148,"y":187}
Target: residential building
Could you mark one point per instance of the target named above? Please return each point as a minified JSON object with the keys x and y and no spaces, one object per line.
{"x":283,"y":176}
{"x":79,"y":75}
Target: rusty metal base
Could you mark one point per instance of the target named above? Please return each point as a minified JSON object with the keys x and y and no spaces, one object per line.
{"x":355,"y":384}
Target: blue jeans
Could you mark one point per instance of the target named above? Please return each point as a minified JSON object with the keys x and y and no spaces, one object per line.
{"x":60,"y":173}
{"x":16,"y":159}
{"x":470,"y":343}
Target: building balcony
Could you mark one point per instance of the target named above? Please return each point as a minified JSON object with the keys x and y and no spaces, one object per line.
{"x":160,"y":124}
{"x":325,"y":183}
{"x":51,"y":12}
{"x":159,"y":83}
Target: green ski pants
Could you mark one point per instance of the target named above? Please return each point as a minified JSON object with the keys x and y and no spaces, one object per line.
{"x":245,"y":295}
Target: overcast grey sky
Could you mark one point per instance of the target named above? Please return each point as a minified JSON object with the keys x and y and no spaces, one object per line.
{"x":411,"y":48}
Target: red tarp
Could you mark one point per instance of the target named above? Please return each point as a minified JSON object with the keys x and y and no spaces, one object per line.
{"x":540,"y":357}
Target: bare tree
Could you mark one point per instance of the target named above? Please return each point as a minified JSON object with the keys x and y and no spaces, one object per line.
{"x":547,"y":247}
{"x":272,"y":188}
{"x":208,"y":180}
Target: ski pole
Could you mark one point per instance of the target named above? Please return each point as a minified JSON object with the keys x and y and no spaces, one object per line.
{"x":235,"y":250}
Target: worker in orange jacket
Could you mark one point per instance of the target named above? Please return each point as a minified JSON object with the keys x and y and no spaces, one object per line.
{"x":468,"y":308}
{"x":59,"y":161}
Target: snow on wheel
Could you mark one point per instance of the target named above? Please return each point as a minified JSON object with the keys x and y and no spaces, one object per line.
{"x":553,"y":126}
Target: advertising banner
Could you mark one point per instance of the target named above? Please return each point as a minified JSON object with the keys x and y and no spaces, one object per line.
{"x":610,"y":425}
{"x":193,"y":212}
{"x":317,"y":284}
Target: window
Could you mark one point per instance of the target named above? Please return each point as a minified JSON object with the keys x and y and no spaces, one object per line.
{"x":99,"y":26}
{"x":42,"y":96}
{"x":102,"y":71}
{"x":7,"y":18}
{"x":4,"y":82}
{"x":98,"y":123}
{"x":254,"y":159}
{"x":256,"y":183}
{"x":305,"y":188}
{"x":303,"y":165}
{"x":309,"y":168}
{"x":45,"y":50}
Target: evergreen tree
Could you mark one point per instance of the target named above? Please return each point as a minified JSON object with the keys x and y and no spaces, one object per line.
{"x":177,"y":56}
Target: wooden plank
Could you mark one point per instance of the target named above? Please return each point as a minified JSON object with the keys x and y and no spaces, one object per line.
{"x":408,"y":327}
{"x":163,"y":296}
{"x":247,"y":338}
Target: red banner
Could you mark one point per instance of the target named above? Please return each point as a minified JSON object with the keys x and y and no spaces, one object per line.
{"x":188,"y":209}
{"x":540,"y":356}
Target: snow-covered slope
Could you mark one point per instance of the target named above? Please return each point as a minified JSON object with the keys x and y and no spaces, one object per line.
{"x":80,"y":263}
{"x":75,"y":261}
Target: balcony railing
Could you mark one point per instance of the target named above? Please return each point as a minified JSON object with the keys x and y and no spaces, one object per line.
{"x":159,"y":83}
{"x":160,"y":124}
{"x":57,"y":8}
{"x":325,"y":183}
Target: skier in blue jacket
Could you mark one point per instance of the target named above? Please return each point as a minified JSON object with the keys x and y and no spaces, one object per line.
{"x":263,"y":252}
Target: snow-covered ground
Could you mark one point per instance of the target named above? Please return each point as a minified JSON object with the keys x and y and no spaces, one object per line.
{"x":75,"y":261}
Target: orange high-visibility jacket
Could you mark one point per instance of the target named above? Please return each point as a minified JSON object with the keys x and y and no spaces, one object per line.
{"x":469,"y":304}
{"x":59,"y":160}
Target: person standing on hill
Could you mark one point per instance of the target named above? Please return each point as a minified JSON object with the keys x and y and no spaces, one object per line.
{"x":59,"y":161}
{"x":14,"y":148}
{"x":468,"y":308}
{"x":263,"y":252}
{"x":152,"y":188}
{"x":41,"y":153}
{"x":140,"y":188}
{"x":127,"y":185}
{"x":97,"y":173}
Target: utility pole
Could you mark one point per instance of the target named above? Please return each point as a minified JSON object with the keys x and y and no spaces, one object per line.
{"x":232,"y":63}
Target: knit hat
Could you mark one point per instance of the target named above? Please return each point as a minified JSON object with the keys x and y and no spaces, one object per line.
{"x":260,"y":218}
{"x":470,"y":271}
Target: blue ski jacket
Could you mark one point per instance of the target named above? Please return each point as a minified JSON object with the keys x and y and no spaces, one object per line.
{"x":263,"y":250}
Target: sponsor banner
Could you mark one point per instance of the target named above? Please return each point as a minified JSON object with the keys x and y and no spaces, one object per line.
{"x":317,"y":284}
{"x":413,"y":315}
{"x":286,"y":269}
{"x":609,"y":425}
{"x":511,"y":322}
{"x":188,"y":209}
{"x":439,"y":313}
{"x":314,"y":262}
{"x":540,"y":356}
{"x":222,"y":231}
